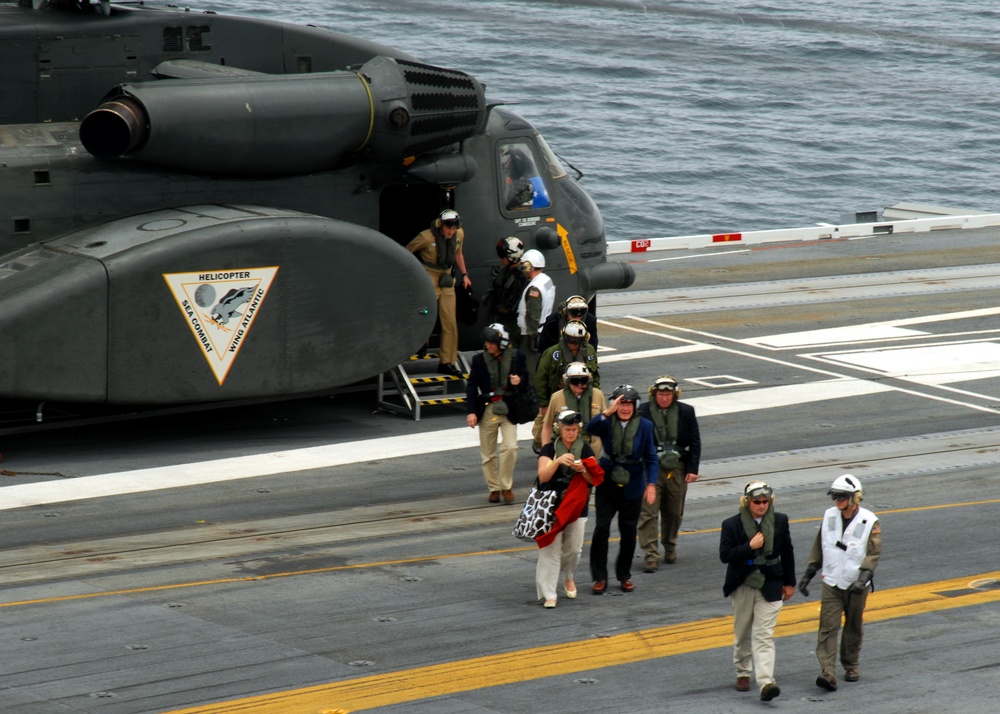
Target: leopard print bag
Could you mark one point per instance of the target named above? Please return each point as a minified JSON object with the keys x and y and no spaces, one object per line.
{"x":538,"y":514}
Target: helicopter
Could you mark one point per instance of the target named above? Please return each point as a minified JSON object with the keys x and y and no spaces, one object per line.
{"x":203,"y":208}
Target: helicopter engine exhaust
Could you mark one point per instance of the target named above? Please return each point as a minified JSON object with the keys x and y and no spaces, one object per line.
{"x":279,"y":125}
{"x":610,"y":276}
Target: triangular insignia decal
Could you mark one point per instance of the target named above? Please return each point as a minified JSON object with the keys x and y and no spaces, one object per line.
{"x":220,"y":308}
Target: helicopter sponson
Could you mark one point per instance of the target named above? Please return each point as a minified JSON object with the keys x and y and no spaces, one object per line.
{"x":261,"y":125}
{"x":88,"y":322}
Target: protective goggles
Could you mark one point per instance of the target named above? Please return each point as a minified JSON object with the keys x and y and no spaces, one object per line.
{"x":758,"y":489}
{"x":570,"y":418}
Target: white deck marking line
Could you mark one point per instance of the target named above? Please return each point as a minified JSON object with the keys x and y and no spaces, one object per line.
{"x":886,"y":330}
{"x":238,"y":467}
{"x":647,"y":354}
{"x":306,"y":459}
{"x":938,"y":365}
{"x":833,"y":336}
{"x":837,"y":386}
{"x":761,"y":358}
{"x":753,"y":400}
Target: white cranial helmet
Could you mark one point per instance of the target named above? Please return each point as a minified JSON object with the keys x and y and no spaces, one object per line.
{"x":577,"y":369}
{"x":575,"y":330}
{"x":845,"y":484}
{"x":532,"y":260}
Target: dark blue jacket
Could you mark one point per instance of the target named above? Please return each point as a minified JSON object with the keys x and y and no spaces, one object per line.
{"x":735,"y":551}
{"x":645,"y":463}
{"x":477,"y":391}
{"x":688,"y":435}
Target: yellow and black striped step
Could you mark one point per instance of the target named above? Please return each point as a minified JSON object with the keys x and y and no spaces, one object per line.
{"x":435,"y":379}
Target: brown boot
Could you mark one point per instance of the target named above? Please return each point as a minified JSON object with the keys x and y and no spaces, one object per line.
{"x":494,"y":497}
{"x":508,"y":496}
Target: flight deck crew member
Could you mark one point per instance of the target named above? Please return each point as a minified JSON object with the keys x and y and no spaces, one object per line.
{"x":579,"y":395}
{"x":439,"y":248}
{"x":678,"y":446}
{"x":846,"y":550}
{"x":494,"y":371}
{"x":537,"y":302}
{"x":509,"y":281}
{"x":629,"y":463}
{"x":552,"y":364}
{"x":756,"y":546}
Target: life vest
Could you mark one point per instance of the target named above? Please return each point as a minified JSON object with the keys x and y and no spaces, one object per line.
{"x":508,"y":286}
{"x":844,"y":551}
{"x":548,"y":291}
{"x":444,"y":249}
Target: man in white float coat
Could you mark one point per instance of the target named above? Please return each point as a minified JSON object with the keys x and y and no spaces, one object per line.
{"x":846,"y":550}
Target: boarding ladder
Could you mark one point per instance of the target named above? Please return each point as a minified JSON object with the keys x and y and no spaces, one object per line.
{"x":415,"y":383}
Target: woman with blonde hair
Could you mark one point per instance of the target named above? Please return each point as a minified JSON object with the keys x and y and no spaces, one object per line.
{"x":560,"y":467}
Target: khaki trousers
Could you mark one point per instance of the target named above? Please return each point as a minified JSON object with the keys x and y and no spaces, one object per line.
{"x":498,"y":464}
{"x":834,"y":604}
{"x":536,"y":428}
{"x":449,"y":325}
{"x":753,"y":625}
{"x":558,"y":561}
{"x":661,"y":519}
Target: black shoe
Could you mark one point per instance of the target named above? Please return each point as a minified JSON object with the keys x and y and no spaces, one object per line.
{"x":827,"y":681}
{"x":450,"y":370}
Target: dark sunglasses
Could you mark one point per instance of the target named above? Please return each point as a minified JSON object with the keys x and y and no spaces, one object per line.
{"x":760,"y":501}
{"x":450,"y":224}
{"x":840,"y":496}
{"x":579,"y":380}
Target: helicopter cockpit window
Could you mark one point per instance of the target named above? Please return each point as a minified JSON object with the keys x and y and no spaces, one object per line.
{"x":522,"y":185}
{"x":555,"y":166}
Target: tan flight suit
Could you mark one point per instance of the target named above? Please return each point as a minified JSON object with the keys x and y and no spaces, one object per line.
{"x":424,"y":246}
{"x":598,"y":404}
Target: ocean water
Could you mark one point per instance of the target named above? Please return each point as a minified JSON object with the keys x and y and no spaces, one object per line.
{"x":723,"y":115}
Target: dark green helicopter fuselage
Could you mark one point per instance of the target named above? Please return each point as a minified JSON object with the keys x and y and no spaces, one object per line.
{"x":204,"y":208}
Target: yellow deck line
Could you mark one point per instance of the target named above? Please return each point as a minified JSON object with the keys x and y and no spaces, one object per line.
{"x":383,"y":690}
{"x":379,"y":564}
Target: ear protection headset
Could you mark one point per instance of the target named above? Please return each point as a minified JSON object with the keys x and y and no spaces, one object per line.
{"x":755,"y":489}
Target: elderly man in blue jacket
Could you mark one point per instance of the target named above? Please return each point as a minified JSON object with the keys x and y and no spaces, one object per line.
{"x":630,"y":465}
